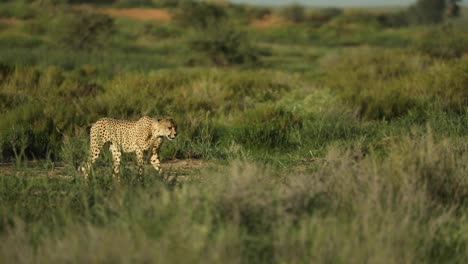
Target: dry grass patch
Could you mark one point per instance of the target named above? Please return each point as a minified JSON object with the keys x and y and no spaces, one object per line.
{"x":268,"y":21}
{"x":143,"y":14}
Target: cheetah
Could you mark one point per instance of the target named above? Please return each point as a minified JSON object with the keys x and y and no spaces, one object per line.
{"x":128,"y":136}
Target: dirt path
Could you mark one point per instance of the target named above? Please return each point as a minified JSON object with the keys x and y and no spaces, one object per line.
{"x":10,"y":21}
{"x":180,"y":169}
{"x":143,"y":14}
{"x":268,"y":21}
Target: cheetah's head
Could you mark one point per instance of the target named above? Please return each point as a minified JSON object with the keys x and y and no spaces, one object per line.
{"x":166,"y":127}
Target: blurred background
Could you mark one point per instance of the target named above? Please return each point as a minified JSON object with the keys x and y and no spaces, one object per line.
{"x":108,"y":57}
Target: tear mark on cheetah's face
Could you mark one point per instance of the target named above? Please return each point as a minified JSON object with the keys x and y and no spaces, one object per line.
{"x":166,"y":127}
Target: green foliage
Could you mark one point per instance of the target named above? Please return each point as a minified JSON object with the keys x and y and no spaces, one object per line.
{"x":223,"y":45}
{"x":402,"y":207}
{"x":199,"y":14}
{"x":83,"y":31}
{"x":386,"y":85}
{"x":427,"y":11}
{"x":160,"y":31}
{"x":358,"y":17}
{"x":394,"y":19}
{"x":5,"y":71}
{"x":294,"y":13}
{"x":132,"y":3}
{"x":320,"y":16}
{"x":62,"y":104}
{"x":17,"y":9}
{"x":256,"y":12}
{"x":213,"y":37}
{"x":445,"y":42}
{"x":268,"y":128}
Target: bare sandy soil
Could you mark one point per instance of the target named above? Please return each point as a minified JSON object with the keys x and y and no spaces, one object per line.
{"x":10,"y":21}
{"x":179,"y":169}
{"x":268,"y":21}
{"x":144,"y":14}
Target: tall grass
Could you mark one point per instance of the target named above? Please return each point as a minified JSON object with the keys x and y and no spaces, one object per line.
{"x":60,"y":104}
{"x":384,"y":84}
{"x":403,"y":207}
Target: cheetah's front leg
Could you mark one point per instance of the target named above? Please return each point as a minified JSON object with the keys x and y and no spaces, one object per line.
{"x":140,"y":161}
{"x":116,"y":158}
{"x":94,"y":151}
{"x":155,"y":157}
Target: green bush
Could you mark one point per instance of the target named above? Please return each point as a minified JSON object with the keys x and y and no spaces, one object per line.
{"x":199,"y":14}
{"x":321,"y":16}
{"x":83,"y":31}
{"x":294,"y":13}
{"x":18,"y":9}
{"x":223,"y":44}
{"x":256,"y":12}
{"x":394,"y":19}
{"x":446,"y":42}
{"x":160,"y":31}
{"x":427,"y":11}
{"x":133,"y":3}
{"x":386,"y":85}
{"x":5,"y":71}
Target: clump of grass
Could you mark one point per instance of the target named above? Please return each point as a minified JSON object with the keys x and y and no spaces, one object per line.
{"x":387,"y":85}
{"x":223,"y":44}
{"x":268,"y":128}
{"x":83,"y":31}
{"x":446,"y":42}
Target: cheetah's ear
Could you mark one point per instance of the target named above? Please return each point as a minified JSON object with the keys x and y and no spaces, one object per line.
{"x":159,"y":119}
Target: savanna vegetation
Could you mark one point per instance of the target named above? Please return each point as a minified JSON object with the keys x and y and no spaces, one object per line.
{"x":305,"y":134}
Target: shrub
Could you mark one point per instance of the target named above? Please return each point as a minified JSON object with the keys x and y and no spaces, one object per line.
{"x":83,"y":31}
{"x":159,"y":31}
{"x":394,"y":19}
{"x":199,"y":14}
{"x":256,"y":12}
{"x":386,"y":85}
{"x":223,"y":45}
{"x":369,"y":19}
{"x":294,"y":13}
{"x":324,"y":15}
{"x":445,"y":42}
{"x":5,"y":71}
{"x":427,"y":11}
{"x":132,"y":3}
{"x":18,"y":9}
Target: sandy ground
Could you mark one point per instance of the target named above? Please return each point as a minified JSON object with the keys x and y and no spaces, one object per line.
{"x":268,"y":21}
{"x":173,"y":169}
{"x":10,"y":21}
{"x":144,"y":14}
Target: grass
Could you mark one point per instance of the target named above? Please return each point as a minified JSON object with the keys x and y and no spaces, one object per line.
{"x":405,"y":206}
{"x":344,"y":142}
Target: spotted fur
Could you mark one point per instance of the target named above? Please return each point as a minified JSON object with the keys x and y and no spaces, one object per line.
{"x":129,"y":136}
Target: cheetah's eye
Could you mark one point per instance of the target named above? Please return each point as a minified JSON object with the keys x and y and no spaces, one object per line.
{"x":169,"y":127}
